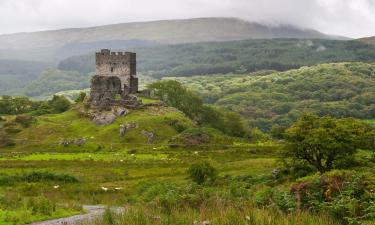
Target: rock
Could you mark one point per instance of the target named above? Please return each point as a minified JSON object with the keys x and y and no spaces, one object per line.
{"x":275,"y":173}
{"x":64,"y":142}
{"x":104,"y":118}
{"x":121,"y":111}
{"x":124,"y":128}
{"x":80,"y":141}
{"x":150,"y":136}
{"x":157,"y":218}
{"x":206,"y":222}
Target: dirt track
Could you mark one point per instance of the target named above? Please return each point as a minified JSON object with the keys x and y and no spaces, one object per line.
{"x":93,"y":212}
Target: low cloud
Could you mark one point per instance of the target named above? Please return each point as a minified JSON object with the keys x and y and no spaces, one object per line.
{"x":353,"y":18}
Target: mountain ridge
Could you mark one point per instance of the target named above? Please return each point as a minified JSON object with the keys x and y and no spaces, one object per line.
{"x":164,"y":31}
{"x":368,"y":40}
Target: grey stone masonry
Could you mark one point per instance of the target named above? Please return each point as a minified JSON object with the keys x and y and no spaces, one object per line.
{"x":120,"y":64}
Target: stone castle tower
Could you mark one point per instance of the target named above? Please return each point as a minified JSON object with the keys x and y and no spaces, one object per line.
{"x":120,"y":64}
{"x":115,"y":81}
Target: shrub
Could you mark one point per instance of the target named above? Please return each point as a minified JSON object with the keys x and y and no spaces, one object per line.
{"x":24,"y":120}
{"x":41,"y":206}
{"x":59,"y":104}
{"x":202,"y":172}
{"x":81,"y":97}
{"x":37,"y":177}
{"x":6,"y":141}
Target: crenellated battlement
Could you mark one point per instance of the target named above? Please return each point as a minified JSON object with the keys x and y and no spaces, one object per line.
{"x":120,"y":64}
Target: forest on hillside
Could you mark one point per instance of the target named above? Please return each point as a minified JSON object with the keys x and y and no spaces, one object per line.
{"x":211,"y":58}
{"x":276,"y":99}
{"x":235,"y":56}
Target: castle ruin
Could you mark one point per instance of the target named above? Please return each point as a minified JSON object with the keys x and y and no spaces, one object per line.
{"x":115,"y":81}
{"x":120,"y":64}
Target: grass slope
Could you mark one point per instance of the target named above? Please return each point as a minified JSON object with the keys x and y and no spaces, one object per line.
{"x":50,"y":130}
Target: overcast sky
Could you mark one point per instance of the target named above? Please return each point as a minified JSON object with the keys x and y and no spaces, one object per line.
{"x":352,"y":18}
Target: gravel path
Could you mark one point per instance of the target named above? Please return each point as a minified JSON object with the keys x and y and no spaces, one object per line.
{"x":93,"y":212}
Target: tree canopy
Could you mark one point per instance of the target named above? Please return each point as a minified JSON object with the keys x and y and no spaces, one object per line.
{"x":320,"y":141}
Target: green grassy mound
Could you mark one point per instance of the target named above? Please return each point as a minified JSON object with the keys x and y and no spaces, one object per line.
{"x":72,"y":132}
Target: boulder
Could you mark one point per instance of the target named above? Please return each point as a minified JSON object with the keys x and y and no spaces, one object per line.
{"x":150,"y":136}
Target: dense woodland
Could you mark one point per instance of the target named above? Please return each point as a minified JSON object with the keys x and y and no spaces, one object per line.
{"x":268,"y":99}
{"x":235,"y":56}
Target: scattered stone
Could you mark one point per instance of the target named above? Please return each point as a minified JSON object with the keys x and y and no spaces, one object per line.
{"x":124,"y":128}
{"x":80,"y":141}
{"x":150,"y":136}
{"x":132,"y":151}
{"x":156,"y":218}
{"x":64,"y":142}
{"x":104,"y":118}
{"x":275,"y":173}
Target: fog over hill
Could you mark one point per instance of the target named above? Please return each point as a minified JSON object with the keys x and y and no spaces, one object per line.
{"x":368,"y":40}
{"x":56,"y":44}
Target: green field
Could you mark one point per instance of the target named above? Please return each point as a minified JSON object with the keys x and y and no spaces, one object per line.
{"x":42,"y":179}
{"x":119,"y":164}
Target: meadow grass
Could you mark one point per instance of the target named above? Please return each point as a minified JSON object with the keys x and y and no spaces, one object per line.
{"x":111,"y":169}
{"x":215,"y":215}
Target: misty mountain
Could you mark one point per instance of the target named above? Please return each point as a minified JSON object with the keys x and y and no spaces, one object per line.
{"x":368,"y":40}
{"x":55,"y":45}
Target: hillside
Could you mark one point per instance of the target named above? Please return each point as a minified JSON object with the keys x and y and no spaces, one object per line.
{"x":207,"y":59}
{"x":266,"y":99}
{"x":56,"y":44}
{"x":164,"y":122}
{"x":244,"y":56}
{"x":368,"y":40}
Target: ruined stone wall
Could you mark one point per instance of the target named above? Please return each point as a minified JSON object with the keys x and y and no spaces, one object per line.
{"x":120,"y":64}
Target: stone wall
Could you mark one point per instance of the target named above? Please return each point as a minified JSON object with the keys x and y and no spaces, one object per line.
{"x":120,"y":64}
{"x":104,"y":89}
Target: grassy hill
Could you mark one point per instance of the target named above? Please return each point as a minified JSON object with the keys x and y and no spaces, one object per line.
{"x":50,"y":130}
{"x":269,"y":98}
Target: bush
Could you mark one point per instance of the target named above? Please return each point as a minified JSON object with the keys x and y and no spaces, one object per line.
{"x":6,"y":141}
{"x":59,"y":104}
{"x":41,"y":206}
{"x":341,"y":193}
{"x":202,"y":172}
{"x":81,"y":97}
{"x":37,"y":177}
{"x":24,"y":120}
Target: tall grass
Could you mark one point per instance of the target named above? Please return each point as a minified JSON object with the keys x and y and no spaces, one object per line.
{"x":219,"y":215}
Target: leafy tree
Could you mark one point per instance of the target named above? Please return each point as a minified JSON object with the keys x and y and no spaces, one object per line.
{"x":320,"y":141}
{"x":81,"y":97}
{"x":15,"y":105}
{"x":235,"y":125}
{"x":201,"y":172}
{"x":59,"y":104}
{"x":176,"y":95}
